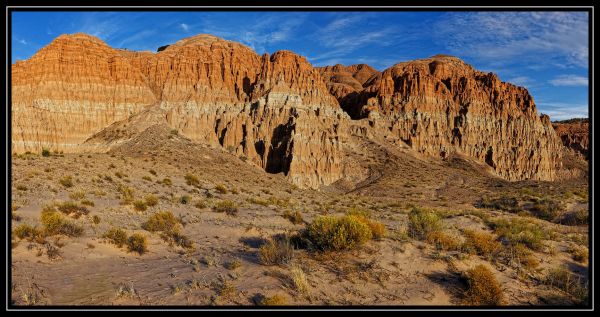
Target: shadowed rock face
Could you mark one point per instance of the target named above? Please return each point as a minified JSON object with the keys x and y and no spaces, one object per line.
{"x":281,"y":114}
{"x":574,"y":135}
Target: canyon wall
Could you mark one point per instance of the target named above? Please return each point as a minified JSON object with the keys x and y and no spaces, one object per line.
{"x":276,"y":111}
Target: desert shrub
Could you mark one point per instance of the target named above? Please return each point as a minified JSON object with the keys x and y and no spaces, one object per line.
{"x":161,"y":221}
{"x":294,"y":217}
{"x":278,"y":202}
{"x":66,"y":181}
{"x":140,"y":205}
{"x":276,"y":251}
{"x":422,"y":222}
{"x":116,"y":236}
{"x":26,"y":231}
{"x":96,"y":219}
{"x":258,"y":201}
{"x":54,"y":223}
{"x":519,"y":230}
{"x":547,"y":209}
{"x":579,"y":254}
{"x":126,"y":194}
{"x":137,"y":243}
{"x":575,"y":218}
{"x":481,"y":243}
{"x":443,"y":241}
{"x":71,"y":208}
{"x":568,"y":282}
{"x":167,"y":182}
{"x":504,"y":203}
{"x":191,"y":179}
{"x":151,"y":200}
{"x":233,"y":265}
{"x":153,"y":172}
{"x":221,"y":189}
{"x":45,"y":152}
{"x":482,"y":287}
{"x":200,"y":204}
{"x":298,"y":279}
{"x":120,"y":174}
{"x":77,"y":195}
{"x":21,"y":187}
{"x":88,"y":202}
{"x":338,"y":233}
{"x":275,"y":300}
{"x":227,"y":206}
{"x":179,"y":239}
{"x":359,"y":211}
{"x":147,"y":178}
{"x":185,"y":199}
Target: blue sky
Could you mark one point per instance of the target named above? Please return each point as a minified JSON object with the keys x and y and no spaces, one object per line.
{"x":546,"y":52}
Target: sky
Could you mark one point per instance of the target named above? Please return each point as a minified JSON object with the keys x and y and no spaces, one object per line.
{"x":545,"y":52}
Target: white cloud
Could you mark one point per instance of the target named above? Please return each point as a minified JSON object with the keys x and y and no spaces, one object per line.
{"x":22,"y":41}
{"x":569,"y":80}
{"x":184,"y":26}
{"x":563,"y":111}
{"x":551,"y":38}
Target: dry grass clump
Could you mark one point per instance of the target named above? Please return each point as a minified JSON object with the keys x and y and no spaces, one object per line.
{"x":298,"y":278}
{"x":191,"y":179}
{"x":294,"y":217}
{"x":161,"y":221}
{"x":137,"y":243}
{"x":277,"y":250}
{"x":258,"y":201}
{"x":505,"y":203}
{"x":338,"y":233}
{"x":422,"y":223}
{"x":444,"y":241}
{"x":547,"y":209}
{"x":275,"y":300}
{"x":568,"y":282}
{"x":151,"y":200}
{"x":88,"y":202}
{"x":116,"y":236}
{"x":126,"y":194}
{"x":77,"y":195}
{"x":221,"y":189}
{"x":481,"y":243}
{"x":140,"y":205}
{"x":54,"y":223}
{"x":579,"y":254}
{"x":233,"y":265}
{"x":166,"y":182}
{"x":66,"y":181}
{"x":575,"y":218}
{"x":482,"y":287}
{"x":25,"y":231}
{"x":227,"y":206}
{"x":71,"y":208}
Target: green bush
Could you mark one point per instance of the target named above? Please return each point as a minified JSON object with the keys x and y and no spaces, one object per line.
{"x":547,"y":209}
{"x":338,"y":233}
{"x":421,"y":223}
{"x":45,"y":152}
{"x":116,"y":236}
{"x":505,"y":203}
{"x":137,"y":243}
{"x":518,"y":230}
{"x":26,"y":231}
{"x":185,"y":200}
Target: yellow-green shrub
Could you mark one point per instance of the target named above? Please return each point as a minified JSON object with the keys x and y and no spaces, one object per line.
{"x":482,"y":287}
{"x":338,"y":233}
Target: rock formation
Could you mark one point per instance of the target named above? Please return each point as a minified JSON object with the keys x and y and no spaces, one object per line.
{"x":275,"y":111}
{"x":574,"y":134}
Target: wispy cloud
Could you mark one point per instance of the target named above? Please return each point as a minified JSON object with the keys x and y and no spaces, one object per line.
{"x":569,"y":80}
{"x":184,"y":27}
{"x":550,"y":38}
{"x":22,"y":41}
{"x":562,"y":111}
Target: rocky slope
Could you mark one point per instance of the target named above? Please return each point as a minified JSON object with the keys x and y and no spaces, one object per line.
{"x":275,"y":111}
{"x":574,"y":135}
{"x":440,"y":105}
